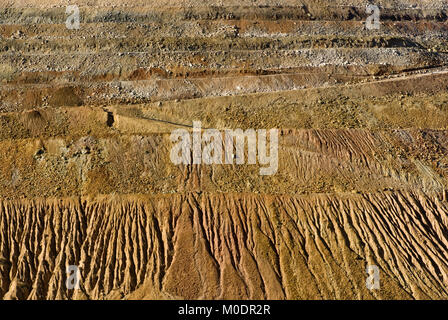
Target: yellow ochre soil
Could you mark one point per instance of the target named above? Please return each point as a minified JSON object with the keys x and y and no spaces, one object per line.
{"x":86,"y":177}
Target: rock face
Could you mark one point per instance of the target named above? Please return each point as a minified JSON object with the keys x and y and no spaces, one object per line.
{"x":226,"y":246}
{"x":86,"y":178}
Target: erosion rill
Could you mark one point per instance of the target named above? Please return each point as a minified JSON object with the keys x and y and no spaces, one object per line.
{"x":86,"y":123}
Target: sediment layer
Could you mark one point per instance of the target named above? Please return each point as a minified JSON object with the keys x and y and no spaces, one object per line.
{"x":86,"y":177}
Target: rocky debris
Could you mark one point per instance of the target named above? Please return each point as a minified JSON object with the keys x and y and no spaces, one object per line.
{"x":86,"y":178}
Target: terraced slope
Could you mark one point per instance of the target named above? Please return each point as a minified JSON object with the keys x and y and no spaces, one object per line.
{"x":86,"y":177}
